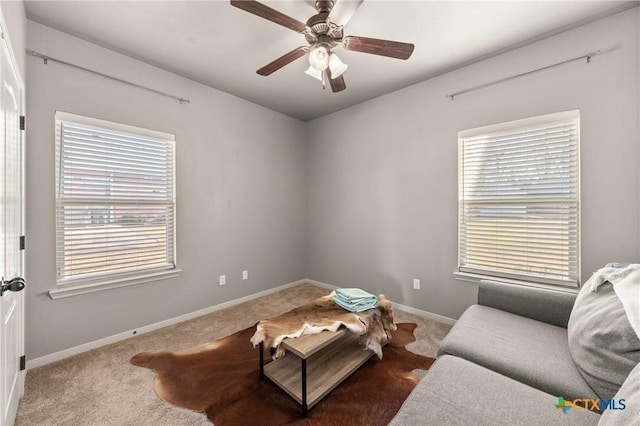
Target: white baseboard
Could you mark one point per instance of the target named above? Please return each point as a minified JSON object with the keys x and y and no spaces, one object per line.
{"x":411,"y":310}
{"x":426,"y":314}
{"x":57,"y":356}
{"x":321,"y":284}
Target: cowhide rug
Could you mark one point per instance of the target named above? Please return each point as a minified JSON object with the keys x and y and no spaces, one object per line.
{"x":321,"y":314}
{"x":221,"y":379}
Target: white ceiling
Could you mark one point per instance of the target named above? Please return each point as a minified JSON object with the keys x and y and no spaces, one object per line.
{"x":222,"y":46}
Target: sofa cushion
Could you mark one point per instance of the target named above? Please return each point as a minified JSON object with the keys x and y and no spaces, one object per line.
{"x":602,"y":341}
{"x":458,"y":392}
{"x":630,"y":393}
{"x":529,"y":351}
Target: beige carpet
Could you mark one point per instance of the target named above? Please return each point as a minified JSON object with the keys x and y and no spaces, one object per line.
{"x":100,"y":387}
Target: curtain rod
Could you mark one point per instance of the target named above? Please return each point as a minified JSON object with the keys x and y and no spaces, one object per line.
{"x":46,"y":59}
{"x":482,"y":86}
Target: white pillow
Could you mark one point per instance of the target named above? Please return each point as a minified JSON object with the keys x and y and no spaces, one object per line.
{"x":602,"y":343}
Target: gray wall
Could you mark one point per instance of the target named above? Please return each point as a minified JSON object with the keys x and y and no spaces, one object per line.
{"x":240,"y":191}
{"x":373,"y":205}
{"x":383,"y":187}
{"x":14,"y":17}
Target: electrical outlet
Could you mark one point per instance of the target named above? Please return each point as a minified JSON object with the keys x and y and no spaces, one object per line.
{"x":245,"y":275}
{"x":223,"y":279}
{"x":416,"y":284}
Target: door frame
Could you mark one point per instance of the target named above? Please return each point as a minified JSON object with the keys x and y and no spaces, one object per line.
{"x":5,"y":44}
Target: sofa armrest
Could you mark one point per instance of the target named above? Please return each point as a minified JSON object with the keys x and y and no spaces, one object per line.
{"x":541,"y":304}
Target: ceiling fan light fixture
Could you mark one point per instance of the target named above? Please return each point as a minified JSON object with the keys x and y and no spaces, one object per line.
{"x":314,"y":73}
{"x":336,"y":66}
{"x":322,"y":32}
{"x":319,"y":58}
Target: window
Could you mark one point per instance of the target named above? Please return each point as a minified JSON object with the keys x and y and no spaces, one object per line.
{"x":115,"y":201}
{"x":519,"y":200}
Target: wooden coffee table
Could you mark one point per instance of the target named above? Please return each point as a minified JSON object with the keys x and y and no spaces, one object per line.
{"x":315,"y":364}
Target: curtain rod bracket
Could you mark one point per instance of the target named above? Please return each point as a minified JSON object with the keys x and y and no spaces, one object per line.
{"x":44,"y":58}
{"x":590,"y":55}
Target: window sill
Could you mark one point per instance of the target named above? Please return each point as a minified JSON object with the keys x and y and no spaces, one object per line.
{"x":476,"y":278}
{"x":70,"y":290}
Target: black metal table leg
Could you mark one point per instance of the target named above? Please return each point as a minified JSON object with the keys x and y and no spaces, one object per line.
{"x":261,"y":360}
{"x":304,"y":387}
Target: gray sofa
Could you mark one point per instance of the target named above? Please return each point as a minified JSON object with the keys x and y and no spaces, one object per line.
{"x":507,"y":361}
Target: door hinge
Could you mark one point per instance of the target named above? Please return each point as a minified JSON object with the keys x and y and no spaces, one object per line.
{"x":22,"y":242}
{"x":23,"y":123}
{"x":23,"y":362}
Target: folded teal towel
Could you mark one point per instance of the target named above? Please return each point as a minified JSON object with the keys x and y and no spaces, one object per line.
{"x":356,"y":307}
{"x":355,"y":299}
{"x":353,"y":293}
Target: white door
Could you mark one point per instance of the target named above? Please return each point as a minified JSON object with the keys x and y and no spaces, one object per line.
{"x":11,"y":255}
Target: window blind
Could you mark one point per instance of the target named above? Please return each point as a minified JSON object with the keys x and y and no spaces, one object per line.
{"x":115,"y":199}
{"x":519,"y":200}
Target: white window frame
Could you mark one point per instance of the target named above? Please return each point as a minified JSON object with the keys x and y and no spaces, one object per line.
{"x":92,"y":282}
{"x":474,"y":273}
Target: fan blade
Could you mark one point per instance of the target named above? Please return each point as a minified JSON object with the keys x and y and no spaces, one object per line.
{"x":392,"y":49}
{"x":337,"y":84}
{"x":266,"y":12}
{"x":283,"y":60}
{"x":343,"y":10}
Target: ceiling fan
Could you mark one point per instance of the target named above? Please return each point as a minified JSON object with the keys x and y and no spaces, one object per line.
{"x":323,"y":32}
